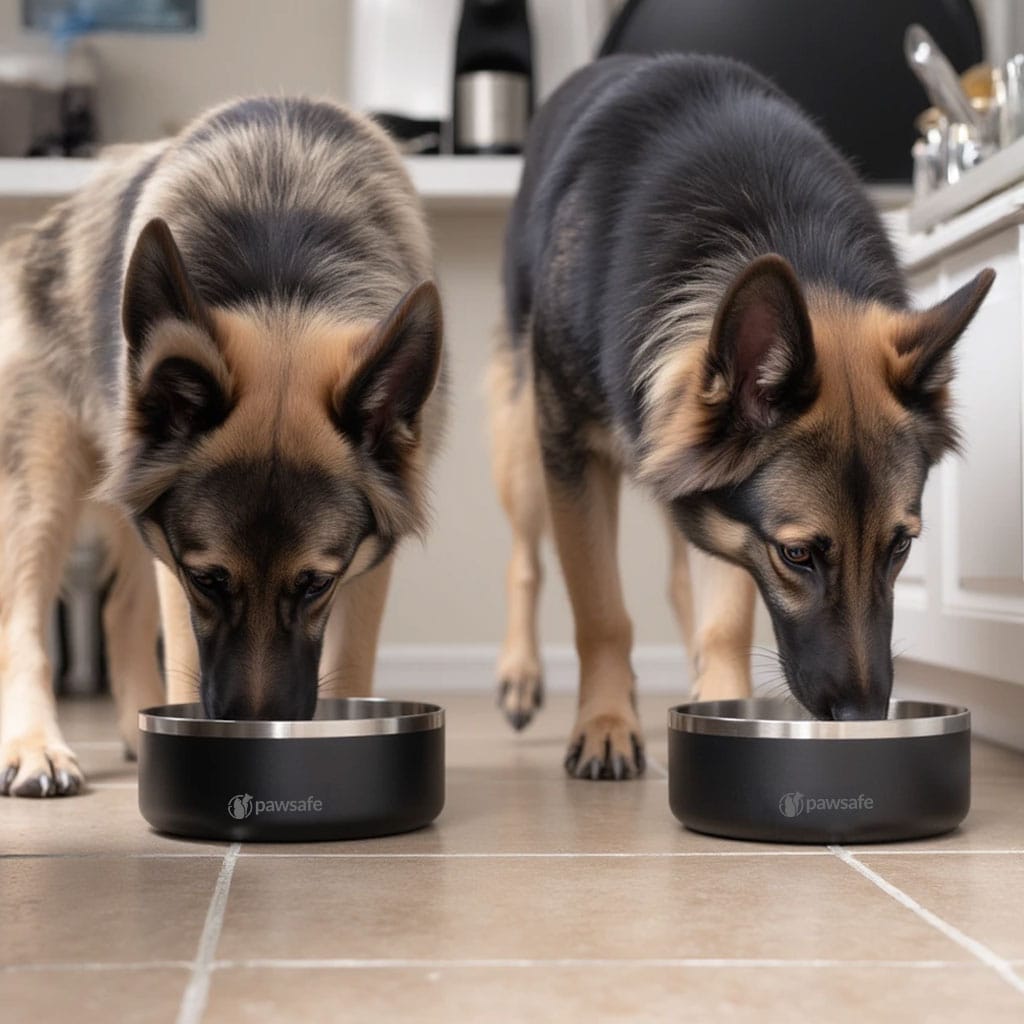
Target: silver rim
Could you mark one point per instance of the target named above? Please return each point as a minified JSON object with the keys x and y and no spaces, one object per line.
{"x":357,"y":716}
{"x":780,"y":719}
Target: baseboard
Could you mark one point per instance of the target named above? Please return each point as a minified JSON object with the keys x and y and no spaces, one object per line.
{"x":997,"y":708}
{"x":425,"y":668}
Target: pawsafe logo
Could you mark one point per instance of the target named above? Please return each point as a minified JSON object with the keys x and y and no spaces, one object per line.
{"x":791,"y":805}
{"x":245,"y":804}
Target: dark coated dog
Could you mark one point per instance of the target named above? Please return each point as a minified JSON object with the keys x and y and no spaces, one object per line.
{"x":701,"y":294}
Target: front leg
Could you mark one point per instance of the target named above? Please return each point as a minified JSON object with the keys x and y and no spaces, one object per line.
{"x":131,"y":623}
{"x":181,"y":652}
{"x":606,"y":742}
{"x":726,"y":630}
{"x":350,"y":642}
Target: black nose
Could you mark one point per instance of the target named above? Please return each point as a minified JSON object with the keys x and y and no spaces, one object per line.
{"x":858,"y":710}
{"x":287,"y":707}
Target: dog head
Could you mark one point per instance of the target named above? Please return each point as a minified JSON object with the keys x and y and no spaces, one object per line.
{"x":269,"y":458}
{"x":797,"y":444}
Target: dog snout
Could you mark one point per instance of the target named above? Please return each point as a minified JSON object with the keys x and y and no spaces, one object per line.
{"x":861,"y":708}
{"x":265,"y":707}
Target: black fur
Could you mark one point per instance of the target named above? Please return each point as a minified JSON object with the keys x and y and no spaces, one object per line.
{"x":639,"y":173}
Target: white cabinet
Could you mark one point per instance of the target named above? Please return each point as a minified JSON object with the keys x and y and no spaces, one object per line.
{"x":960,"y":598}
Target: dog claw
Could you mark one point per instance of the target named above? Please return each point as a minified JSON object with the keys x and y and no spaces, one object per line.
{"x":603,"y":749}
{"x":572,"y":757}
{"x":519,"y":700}
{"x":639,"y":757}
{"x":519,"y":720}
{"x":67,"y":784}
{"x":8,"y":778}
{"x":40,"y":785}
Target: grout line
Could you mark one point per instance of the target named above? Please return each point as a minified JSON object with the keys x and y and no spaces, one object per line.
{"x":659,"y":770}
{"x":134,"y":965}
{"x":862,"y":850}
{"x":193,"y":1001}
{"x":381,"y":963}
{"x":700,"y":962}
{"x":977,"y":949}
{"x":111,"y":855}
{"x":556,"y":855}
{"x":110,"y":785}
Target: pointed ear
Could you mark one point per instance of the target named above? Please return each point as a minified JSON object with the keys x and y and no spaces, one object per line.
{"x":379,"y":408}
{"x":761,"y":353}
{"x":157,"y":288}
{"x":925,"y":343}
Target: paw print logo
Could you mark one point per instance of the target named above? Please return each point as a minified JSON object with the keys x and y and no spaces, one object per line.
{"x":791,"y":804}
{"x":240,"y":806}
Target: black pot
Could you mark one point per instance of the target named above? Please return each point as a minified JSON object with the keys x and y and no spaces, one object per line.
{"x":360,"y":768}
{"x":764,"y":769}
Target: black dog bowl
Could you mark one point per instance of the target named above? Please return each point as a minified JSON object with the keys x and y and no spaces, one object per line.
{"x":764,"y":769}
{"x":361,"y":767}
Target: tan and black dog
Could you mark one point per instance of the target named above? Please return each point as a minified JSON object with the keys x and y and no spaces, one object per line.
{"x":229,"y":342}
{"x":700,"y":294}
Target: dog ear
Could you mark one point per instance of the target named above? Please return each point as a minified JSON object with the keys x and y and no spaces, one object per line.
{"x":761,"y":353}
{"x":179,"y":388}
{"x":924,"y":344}
{"x":379,"y":407}
{"x":157,"y":287}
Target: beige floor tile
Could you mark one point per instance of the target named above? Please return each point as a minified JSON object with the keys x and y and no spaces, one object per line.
{"x":633,"y":995}
{"x":149,"y":996}
{"x":99,"y":821}
{"x":981,"y":894}
{"x":59,"y":910}
{"x":565,"y":907}
{"x":989,"y":761}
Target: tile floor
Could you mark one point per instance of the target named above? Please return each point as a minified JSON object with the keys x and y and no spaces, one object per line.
{"x":533,"y":898}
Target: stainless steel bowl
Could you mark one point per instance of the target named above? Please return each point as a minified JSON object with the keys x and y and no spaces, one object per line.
{"x":765,"y":769}
{"x":360,"y":767}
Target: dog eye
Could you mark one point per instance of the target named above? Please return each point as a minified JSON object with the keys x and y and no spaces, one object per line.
{"x":796,"y":555}
{"x":314,"y":584}
{"x":901,"y":547}
{"x":212,"y":582}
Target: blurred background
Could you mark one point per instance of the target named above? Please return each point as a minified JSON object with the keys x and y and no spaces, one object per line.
{"x":456,"y":81}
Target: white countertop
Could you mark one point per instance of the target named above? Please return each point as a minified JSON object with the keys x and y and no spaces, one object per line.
{"x":470,"y":182}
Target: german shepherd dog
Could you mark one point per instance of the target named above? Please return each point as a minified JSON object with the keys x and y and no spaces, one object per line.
{"x":700,"y":293}
{"x":232,"y":341}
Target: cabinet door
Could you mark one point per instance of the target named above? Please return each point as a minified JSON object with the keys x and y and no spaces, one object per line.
{"x":960,"y":601}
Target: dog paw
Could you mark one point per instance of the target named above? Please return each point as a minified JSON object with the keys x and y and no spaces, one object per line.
{"x":606,"y":746}
{"x":34,"y":768}
{"x":520,"y":695}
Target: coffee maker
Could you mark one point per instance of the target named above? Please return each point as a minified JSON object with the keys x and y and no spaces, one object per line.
{"x":493,"y":90}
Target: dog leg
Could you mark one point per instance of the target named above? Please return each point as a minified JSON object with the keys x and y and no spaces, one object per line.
{"x":726,"y":631}
{"x":181,"y":655}
{"x":131,"y":623}
{"x":519,"y":476}
{"x":43,"y":475}
{"x":350,"y":643}
{"x":606,"y":742}
{"x":680,"y":585}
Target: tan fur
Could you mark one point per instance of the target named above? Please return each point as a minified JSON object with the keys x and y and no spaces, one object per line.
{"x":66,"y":425}
{"x":585,"y":522}
{"x":519,"y":478}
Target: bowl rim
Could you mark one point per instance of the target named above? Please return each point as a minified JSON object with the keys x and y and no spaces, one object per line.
{"x":754,"y":717}
{"x":387,"y":717}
